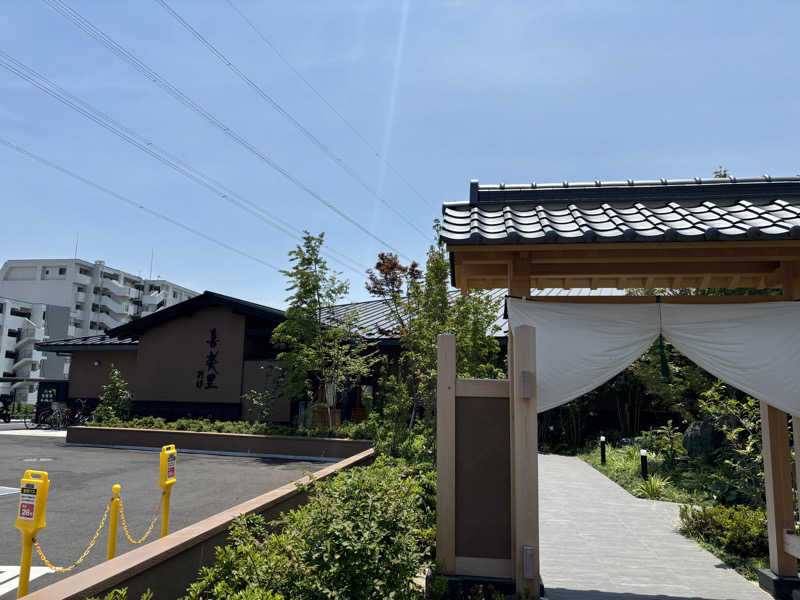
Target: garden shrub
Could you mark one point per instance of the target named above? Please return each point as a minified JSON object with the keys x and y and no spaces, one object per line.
{"x":365,"y":533}
{"x":738,"y":530}
{"x":346,"y":430}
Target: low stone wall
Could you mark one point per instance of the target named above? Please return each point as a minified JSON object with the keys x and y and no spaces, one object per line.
{"x":279,"y":446}
{"x":168,"y":565}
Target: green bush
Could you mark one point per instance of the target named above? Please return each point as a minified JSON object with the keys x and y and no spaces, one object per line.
{"x":346,"y":430}
{"x":738,"y":530}
{"x":654,"y":488}
{"x":363,"y":534}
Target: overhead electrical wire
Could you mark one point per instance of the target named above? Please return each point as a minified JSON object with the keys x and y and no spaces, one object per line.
{"x":19,"y":149}
{"x":327,"y":103}
{"x":287,"y":115}
{"x":176,"y":93}
{"x":97,"y":116}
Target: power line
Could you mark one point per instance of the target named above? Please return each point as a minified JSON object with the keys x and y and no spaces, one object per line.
{"x":319,"y":95}
{"x":287,"y":115}
{"x":173,"y":91}
{"x":145,"y":145}
{"x":19,"y":149}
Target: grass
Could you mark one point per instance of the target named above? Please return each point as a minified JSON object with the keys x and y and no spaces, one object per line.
{"x":623,"y":467}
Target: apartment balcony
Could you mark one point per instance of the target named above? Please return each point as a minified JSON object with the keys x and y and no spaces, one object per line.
{"x":24,"y":359}
{"x":150,"y":300}
{"x":113,"y":305}
{"x":80,"y":297}
{"x":116,"y":288}
{"x":83,"y":279}
{"x":28,"y":335}
{"x":109,"y":321}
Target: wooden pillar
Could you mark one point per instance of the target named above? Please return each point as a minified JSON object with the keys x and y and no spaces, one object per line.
{"x":525,"y":463}
{"x":446,"y":452}
{"x":778,"y":484}
{"x":519,"y":275}
{"x":791,"y":291}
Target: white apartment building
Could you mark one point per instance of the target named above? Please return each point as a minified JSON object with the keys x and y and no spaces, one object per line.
{"x":22,"y":325}
{"x":99,"y":297}
{"x":59,"y":298}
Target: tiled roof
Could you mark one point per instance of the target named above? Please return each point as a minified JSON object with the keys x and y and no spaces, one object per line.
{"x":100,"y":340}
{"x":376,"y":321}
{"x":687,"y":210}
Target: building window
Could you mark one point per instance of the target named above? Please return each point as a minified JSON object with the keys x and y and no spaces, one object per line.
{"x":62,"y":270}
{"x":174,"y":294}
{"x":83,"y":271}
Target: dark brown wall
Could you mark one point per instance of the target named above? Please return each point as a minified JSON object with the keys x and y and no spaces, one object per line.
{"x":87,"y":380}
{"x":172,"y":354}
{"x":483,"y":478}
{"x":261,"y":375}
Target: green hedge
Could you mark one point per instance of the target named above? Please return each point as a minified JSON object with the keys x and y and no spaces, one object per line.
{"x":365,"y":533}
{"x":346,"y":430}
{"x":736,"y":534}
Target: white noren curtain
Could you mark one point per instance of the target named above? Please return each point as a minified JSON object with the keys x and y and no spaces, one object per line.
{"x":752,"y":346}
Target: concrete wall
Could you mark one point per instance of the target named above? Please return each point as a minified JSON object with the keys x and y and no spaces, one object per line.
{"x":173,"y":363}
{"x":168,"y":565}
{"x":56,"y":328}
{"x":276,"y":445}
{"x":483,"y":478}
{"x":86,"y":380}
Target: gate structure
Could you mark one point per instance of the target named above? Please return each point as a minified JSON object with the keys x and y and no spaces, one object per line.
{"x":715,"y":234}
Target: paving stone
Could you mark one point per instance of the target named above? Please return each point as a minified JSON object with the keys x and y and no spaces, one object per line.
{"x":600,"y":543}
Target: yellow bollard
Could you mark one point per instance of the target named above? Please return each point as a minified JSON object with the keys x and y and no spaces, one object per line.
{"x":166,"y":479}
{"x":112,"y":523}
{"x":33,"y":489}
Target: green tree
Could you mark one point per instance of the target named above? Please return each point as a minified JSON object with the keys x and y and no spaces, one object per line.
{"x":322,"y":349}
{"x":115,"y":399}
{"x":422,"y":307}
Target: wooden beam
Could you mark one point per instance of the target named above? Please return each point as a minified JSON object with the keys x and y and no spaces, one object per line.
{"x":664,"y":299}
{"x":756,"y":249}
{"x":520,"y":275}
{"x":446,"y":452}
{"x":525,"y":470}
{"x":483,"y":567}
{"x":482,"y":388}
{"x":791,"y":543}
{"x":778,"y":484}
{"x":790,"y":279}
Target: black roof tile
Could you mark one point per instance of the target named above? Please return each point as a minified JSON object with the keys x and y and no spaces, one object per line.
{"x":728,"y":209}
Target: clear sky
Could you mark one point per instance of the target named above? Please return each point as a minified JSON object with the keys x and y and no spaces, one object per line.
{"x":447,"y":91}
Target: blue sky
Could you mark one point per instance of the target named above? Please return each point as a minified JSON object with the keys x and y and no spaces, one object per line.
{"x":449,"y":91}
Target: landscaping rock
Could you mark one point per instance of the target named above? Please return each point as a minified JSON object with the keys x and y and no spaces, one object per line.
{"x":702,"y":439}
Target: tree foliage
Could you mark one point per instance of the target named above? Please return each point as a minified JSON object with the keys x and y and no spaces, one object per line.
{"x":319,"y":347}
{"x":115,"y":399}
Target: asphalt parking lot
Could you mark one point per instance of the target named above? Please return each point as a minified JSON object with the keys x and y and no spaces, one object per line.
{"x":80,"y":486}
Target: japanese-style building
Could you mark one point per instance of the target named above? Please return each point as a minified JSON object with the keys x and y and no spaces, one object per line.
{"x":698,"y":233}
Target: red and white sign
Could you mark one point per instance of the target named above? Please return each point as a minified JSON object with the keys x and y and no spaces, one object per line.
{"x":171,"y":466}
{"x":27,"y":502}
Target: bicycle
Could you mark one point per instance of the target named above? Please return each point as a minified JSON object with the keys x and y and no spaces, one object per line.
{"x":43,"y":422}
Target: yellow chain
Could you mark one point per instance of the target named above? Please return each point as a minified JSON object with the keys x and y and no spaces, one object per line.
{"x":149,"y":529}
{"x":85,"y":553}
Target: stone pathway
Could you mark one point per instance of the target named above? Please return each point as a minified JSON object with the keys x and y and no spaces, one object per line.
{"x":600,"y":543}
